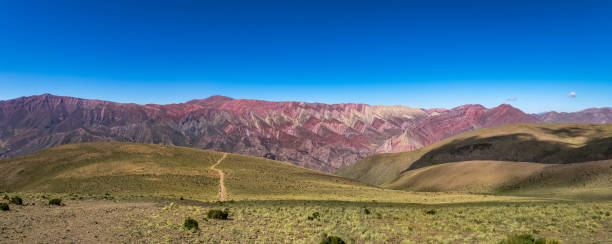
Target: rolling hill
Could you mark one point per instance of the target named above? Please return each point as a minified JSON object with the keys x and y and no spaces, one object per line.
{"x":502,"y":158}
{"x":129,"y":170}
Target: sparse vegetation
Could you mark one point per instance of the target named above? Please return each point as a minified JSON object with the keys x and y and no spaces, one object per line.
{"x":4,"y":206}
{"x":55,"y":201}
{"x":526,"y":239}
{"x":16,"y":200}
{"x":314,"y":216}
{"x":332,"y":240}
{"x":276,"y":208}
{"x":191,"y":224}
{"x":218,"y":214}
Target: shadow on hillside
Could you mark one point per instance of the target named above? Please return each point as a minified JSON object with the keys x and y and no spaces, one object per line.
{"x":567,"y":132}
{"x":341,"y":204}
{"x":519,"y":147}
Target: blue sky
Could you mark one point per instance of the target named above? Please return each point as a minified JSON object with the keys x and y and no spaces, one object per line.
{"x":427,"y":54}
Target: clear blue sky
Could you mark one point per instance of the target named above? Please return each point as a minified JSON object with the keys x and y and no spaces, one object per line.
{"x":427,"y":54}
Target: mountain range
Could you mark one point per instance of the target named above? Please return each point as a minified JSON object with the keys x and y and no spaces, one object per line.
{"x":313,"y":135}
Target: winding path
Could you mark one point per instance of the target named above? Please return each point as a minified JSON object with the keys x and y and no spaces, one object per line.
{"x":222,"y":192}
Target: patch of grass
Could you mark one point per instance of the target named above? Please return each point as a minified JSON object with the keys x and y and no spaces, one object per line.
{"x":16,"y":200}
{"x":218,"y":214}
{"x":4,"y":206}
{"x":431,"y":212}
{"x":191,"y":224}
{"x":527,"y":239}
{"x":55,"y":201}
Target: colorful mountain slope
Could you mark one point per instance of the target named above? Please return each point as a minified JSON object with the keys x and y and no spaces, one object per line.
{"x":313,"y":135}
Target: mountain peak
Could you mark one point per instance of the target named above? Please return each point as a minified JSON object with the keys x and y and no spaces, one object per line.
{"x":210,"y":100}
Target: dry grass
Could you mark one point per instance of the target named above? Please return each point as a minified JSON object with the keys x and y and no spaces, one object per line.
{"x":559,"y":143}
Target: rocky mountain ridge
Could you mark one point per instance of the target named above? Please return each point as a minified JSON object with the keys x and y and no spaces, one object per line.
{"x":314,"y":135}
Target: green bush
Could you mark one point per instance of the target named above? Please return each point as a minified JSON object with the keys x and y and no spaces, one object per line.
{"x":526,"y":239}
{"x":332,"y":240}
{"x":191,"y":224}
{"x":4,"y":206}
{"x":218,"y":214}
{"x":366,"y":211}
{"x":55,"y":201}
{"x":314,"y":216}
{"x":16,"y":200}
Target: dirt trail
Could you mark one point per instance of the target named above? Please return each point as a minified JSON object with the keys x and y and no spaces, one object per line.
{"x":222,"y":192}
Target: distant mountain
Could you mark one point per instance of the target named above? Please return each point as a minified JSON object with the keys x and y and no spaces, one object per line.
{"x":313,"y":135}
{"x":591,"y":115}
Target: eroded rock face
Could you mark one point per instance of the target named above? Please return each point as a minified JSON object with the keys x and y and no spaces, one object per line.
{"x":453,"y":122}
{"x":314,"y":135}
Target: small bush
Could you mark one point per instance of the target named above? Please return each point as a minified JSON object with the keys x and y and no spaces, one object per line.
{"x":432,"y":212}
{"x":314,"y":216}
{"x":526,"y":239}
{"x":332,"y":240}
{"x":16,"y":200}
{"x":191,"y":224}
{"x":366,"y":211}
{"x":217,"y":214}
{"x":55,"y":201}
{"x":4,"y":206}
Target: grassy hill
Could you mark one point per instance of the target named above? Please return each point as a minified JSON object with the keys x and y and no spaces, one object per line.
{"x":484,"y":160}
{"x":128,"y":170}
{"x":591,"y":180}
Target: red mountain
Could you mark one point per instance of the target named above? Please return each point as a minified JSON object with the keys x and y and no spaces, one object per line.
{"x":453,"y":122}
{"x":314,"y":135}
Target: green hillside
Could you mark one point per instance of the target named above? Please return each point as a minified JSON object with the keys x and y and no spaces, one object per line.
{"x":128,"y":170}
{"x":537,"y":145}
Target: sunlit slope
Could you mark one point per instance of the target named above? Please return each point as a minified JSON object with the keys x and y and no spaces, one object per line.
{"x":589,"y":179}
{"x":126,"y":169}
{"x":522,"y":142}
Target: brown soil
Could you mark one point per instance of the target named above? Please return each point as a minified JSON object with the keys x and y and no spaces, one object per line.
{"x":76,"y":222}
{"x":222,"y":192}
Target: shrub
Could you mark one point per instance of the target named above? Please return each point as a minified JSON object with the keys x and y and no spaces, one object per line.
{"x":366,"y":211}
{"x":191,"y":224}
{"x":332,"y":240}
{"x":526,"y":239}
{"x":16,"y":200}
{"x":217,"y":214}
{"x":432,"y":212}
{"x":4,"y":206}
{"x":55,"y":201}
{"x":314,"y":216}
